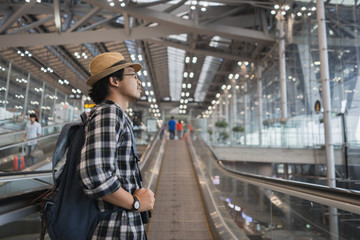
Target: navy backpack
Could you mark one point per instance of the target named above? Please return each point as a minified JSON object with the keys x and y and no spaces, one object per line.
{"x":66,"y":212}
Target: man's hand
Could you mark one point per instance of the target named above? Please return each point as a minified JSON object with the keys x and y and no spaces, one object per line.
{"x":146,"y":198}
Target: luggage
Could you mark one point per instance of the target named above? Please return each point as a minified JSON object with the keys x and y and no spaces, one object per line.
{"x":18,"y":163}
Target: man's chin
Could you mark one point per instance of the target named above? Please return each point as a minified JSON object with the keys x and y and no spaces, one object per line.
{"x":134,"y":99}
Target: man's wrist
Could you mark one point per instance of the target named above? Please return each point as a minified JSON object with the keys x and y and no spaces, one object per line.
{"x":136,"y":204}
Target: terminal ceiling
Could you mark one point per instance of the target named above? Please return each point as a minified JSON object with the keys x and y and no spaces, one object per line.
{"x":192,"y":42}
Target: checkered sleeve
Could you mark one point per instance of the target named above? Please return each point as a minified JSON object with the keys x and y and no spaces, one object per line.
{"x":97,"y":168}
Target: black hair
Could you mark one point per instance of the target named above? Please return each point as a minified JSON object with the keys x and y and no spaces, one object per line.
{"x":33,"y":115}
{"x":100,"y":90}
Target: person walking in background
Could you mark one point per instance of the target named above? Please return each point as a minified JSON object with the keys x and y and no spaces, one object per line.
{"x":108,"y":169}
{"x":172,"y":124}
{"x":32,"y":131}
{"x":179,"y":129}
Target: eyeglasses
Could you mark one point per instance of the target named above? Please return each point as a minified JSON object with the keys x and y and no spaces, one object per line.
{"x":131,"y":74}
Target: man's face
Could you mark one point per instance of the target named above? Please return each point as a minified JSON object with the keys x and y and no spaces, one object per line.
{"x":32,"y":119}
{"x":130,"y":86}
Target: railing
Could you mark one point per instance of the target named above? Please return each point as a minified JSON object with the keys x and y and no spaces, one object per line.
{"x":269,"y":207}
{"x":9,"y":138}
{"x":17,"y":205}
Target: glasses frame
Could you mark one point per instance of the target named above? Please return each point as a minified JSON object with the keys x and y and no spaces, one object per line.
{"x":131,"y":74}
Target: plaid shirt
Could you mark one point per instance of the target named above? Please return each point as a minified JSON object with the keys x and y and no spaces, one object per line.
{"x":108,"y":163}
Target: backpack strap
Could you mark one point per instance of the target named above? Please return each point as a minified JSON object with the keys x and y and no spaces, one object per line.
{"x":134,"y":149}
{"x":84,"y":117}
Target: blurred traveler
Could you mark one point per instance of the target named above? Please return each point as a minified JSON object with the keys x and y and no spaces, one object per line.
{"x":32,"y":131}
{"x":179,"y":129}
{"x":172,"y":124}
{"x":108,"y":167}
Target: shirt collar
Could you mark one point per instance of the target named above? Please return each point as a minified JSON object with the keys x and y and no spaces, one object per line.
{"x":106,"y":101}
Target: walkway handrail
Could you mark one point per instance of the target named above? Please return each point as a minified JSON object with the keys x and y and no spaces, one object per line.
{"x":148,"y":150}
{"x":23,"y":130}
{"x":26,"y":209}
{"x":348,"y":200}
{"x":15,"y":176}
{"x":22,"y":143}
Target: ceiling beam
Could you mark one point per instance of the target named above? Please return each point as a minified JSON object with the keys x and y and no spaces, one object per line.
{"x":104,"y":35}
{"x":84,"y":19}
{"x":15,"y":16}
{"x":57,"y":15}
{"x":202,"y":52}
{"x":188,"y":26}
{"x":175,"y":6}
{"x":32,"y":25}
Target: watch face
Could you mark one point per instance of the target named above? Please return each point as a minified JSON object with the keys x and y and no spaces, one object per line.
{"x":136,"y":204}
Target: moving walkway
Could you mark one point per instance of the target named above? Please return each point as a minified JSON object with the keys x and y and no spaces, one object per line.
{"x":198,"y":197}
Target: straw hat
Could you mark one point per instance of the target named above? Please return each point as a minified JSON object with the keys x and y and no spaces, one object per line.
{"x":106,"y":64}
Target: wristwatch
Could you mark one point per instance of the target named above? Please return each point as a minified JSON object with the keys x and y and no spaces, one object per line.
{"x":136,"y":204}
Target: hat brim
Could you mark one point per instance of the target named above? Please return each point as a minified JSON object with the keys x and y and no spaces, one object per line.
{"x":93,"y":79}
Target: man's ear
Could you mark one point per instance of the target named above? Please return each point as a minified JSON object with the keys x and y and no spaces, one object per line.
{"x":113,"y":81}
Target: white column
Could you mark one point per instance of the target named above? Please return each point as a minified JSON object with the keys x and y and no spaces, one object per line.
{"x":234,"y":102}
{"x":54,"y":105}
{"x":326,"y":94}
{"x":245,"y":111}
{"x":7,"y":85}
{"x":259,"y":99}
{"x":282,"y":64}
{"x":226,"y":95}
{"x":213,"y":119}
{"x":221,"y":107}
{"x":42,"y":101}
{"x":27,"y":94}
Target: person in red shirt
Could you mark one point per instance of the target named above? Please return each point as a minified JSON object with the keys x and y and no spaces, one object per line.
{"x":179,"y":129}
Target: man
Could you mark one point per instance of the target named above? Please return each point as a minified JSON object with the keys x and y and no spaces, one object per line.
{"x":32,"y":131}
{"x":109,"y":168}
{"x":172,"y":124}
